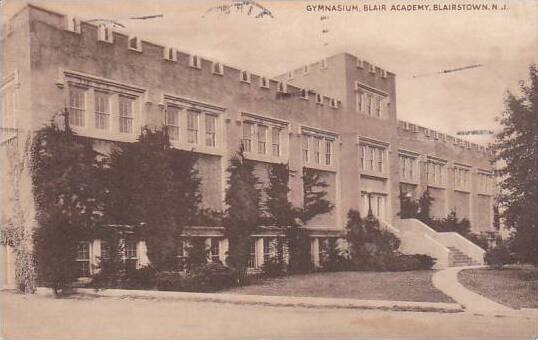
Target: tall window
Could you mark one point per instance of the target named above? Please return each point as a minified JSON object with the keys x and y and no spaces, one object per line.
{"x":130,"y":254}
{"x":407,"y":165}
{"x":105,"y":250}
{"x":306,"y":148}
{"x":267,"y":248}
{"x":372,"y":158}
{"x":368,"y":107}
{"x":181,"y":254}
{"x":317,"y":154}
{"x":214,"y":250}
{"x":377,"y":107}
{"x":172,"y":123}
{"x":262,"y":139}
{"x":83,"y":259}
{"x":328,"y":152}
{"x":102,"y":111}
{"x":210,"y":130}
{"x":359,"y":101}
{"x":247,"y":136}
{"x":77,"y":106}
{"x":192,"y":127}
{"x":275,"y":141}
{"x":369,"y":103}
{"x":435,"y":173}
{"x":252,"y":254}
{"x":126,"y":114}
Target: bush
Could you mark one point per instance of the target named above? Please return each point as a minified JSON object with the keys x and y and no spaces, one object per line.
{"x":403,"y":262}
{"x":273,"y":268}
{"x":499,"y":255}
{"x":206,"y":278}
{"x":112,"y":276}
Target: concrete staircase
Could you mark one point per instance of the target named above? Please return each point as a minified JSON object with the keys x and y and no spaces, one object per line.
{"x":458,"y":259}
{"x":448,"y":248}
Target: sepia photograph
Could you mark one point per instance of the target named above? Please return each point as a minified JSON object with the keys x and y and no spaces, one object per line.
{"x":272,"y":169}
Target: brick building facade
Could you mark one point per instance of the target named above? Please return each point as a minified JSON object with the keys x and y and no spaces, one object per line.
{"x":337,"y":115}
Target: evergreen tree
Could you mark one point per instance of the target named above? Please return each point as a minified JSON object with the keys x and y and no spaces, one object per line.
{"x":516,"y":147}
{"x":315,"y":196}
{"x":279,"y":208}
{"x":68,"y":197}
{"x":355,"y":232}
{"x":154,"y":185}
{"x":242,"y":212}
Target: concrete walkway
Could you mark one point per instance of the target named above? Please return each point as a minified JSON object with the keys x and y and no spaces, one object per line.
{"x":447,"y":282}
{"x":277,"y":301}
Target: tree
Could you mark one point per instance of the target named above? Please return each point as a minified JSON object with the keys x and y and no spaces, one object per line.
{"x":156,"y":186}
{"x":516,"y":148}
{"x":68,"y":197}
{"x":315,"y":195}
{"x":278,"y":206}
{"x":242,"y":212}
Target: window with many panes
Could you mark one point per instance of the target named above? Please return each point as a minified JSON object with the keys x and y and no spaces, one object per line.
{"x":252,"y":254}
{"x":172,"y":123}
{"x":192,"y":127}
{"x":181,"y":254}
{"x":435,"y":173}
{"x":102,"y":110}
{"x":131,"y":258}
{"x":262,"y":139}
{"x":316,"y":147}
{"x":210,"y":130}
{"x":369,"y":103}
{"x":372,"y":158}
{"x":306,"y":148}
{"x":461,"y":178}
{"x":328,"y":152}
{"x":268,"y":243}
{"x":248,"y":128}
{"x":275,"y":141}
{"x":214,"y":250}
{"x":407,"y":167}
{"x":77,"y":106}
{"x":126,"y":114}
{"x":83,"y":259}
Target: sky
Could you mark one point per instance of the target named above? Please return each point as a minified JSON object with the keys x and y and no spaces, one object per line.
{"x":407,"y":43}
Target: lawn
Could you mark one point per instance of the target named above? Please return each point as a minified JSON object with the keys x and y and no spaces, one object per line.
{"x":514,"y":286}
{"x":395,"y":286}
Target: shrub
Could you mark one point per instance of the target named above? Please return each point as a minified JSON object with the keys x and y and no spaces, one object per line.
{"x":499,"y":255}
{"x":206,"y":278}
{"x":403,"y":262}
{"x":113,"y":275}
{"x":273,"y":268}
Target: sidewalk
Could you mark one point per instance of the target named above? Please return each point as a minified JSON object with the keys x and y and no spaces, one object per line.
{"x":278,"y":301}
{"x":447,"y":282}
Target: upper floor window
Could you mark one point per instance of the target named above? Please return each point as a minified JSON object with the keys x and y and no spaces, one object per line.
{"x":435,"y":173}
{"x":408,"y":167}
{"x":370,"y":103}
{"x":192,"y":127}
{"x":485,"y":183}
{"x":328,"y":152}
{"x":304,"y":93}
{"x":102,"y":111}
{"x":77,"y":106}
{"x":319,"y":99}
{"x":73,"y":24}
{"x":281,"y":87}
{"x":461,"y":178}
{"x":126,"y":114}
{"x":262,"y":139}
{"x":317,"y":149}
{"x":275,"y":141}
{"x":210,"y":130}
{"x":172,"y":123}
{"x":372,"y":158}
{"x":248,"y":128}
{"x":264,"y":82}
{"x":323,"y":64}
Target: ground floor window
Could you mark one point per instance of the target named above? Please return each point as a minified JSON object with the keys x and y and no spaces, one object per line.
{"x":252,"y":254}
{"x":374,"y":201}
{"x":131,"y":258}
{"x":214,"y":250}
{"x":83,"y":259}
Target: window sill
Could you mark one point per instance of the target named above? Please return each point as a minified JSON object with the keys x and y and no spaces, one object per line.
{"x":329,"y":168}
{"x":408,"y":181}
{"x":369,"y":173}
{"x":105,"y":134}
{"x":266,"y":158}
{"x":209,"y":150}
{"x":466,"y":191}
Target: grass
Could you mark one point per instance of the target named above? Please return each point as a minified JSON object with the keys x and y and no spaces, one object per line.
{"x":394,"y":286}
{"x":514,"y":286}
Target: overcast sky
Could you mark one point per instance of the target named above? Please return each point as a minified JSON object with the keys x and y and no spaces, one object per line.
{"x":406,"y":43}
